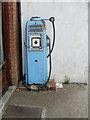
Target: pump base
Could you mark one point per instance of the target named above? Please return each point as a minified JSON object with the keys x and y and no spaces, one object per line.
{"x":51,"y":86}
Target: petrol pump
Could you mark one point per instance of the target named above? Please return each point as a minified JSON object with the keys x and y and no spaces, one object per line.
{"x":38,"y":51}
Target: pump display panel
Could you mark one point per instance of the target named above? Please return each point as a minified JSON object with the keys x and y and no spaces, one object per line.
{"x":35,"y":41}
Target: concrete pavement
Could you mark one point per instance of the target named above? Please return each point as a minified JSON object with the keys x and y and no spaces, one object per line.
{"x":69,"y":102}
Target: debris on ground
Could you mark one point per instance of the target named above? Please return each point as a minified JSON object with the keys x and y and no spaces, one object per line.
{"x":34,"y":87}
{"x":59,"y":85}
{"x":21,"y":87}
{"x":51,"y":86}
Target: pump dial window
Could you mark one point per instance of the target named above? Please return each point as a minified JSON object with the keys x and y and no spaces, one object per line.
{"x":35,"y":41}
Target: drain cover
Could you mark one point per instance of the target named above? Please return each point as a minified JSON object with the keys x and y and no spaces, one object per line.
{"x":22,"y":112}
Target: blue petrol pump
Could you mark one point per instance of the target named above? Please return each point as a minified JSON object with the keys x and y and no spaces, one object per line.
{"x":38,"y":51}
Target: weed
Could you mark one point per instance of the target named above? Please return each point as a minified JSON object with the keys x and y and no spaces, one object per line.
{"x":66,"y":80}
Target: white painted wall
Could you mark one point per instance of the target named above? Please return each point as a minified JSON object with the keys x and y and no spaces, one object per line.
{"x":70,"y":56}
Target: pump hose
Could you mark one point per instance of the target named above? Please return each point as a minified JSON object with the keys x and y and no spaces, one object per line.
{"x":52,"y":19}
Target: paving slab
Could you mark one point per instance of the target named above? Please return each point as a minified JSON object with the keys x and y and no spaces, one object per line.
{"x":22,"y":112}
